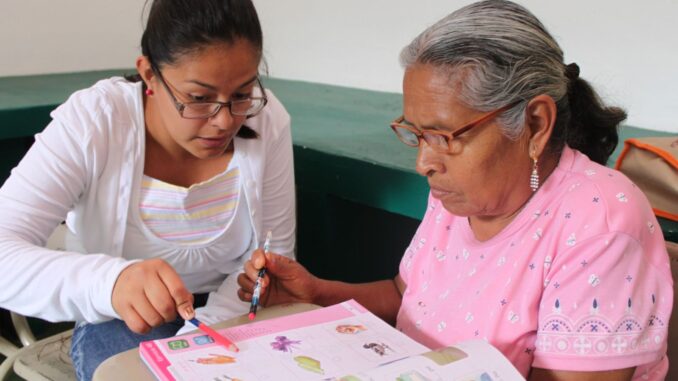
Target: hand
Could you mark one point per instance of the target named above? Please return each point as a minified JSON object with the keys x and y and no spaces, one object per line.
{"x":286,"y":280}
{"x":149,"y":293}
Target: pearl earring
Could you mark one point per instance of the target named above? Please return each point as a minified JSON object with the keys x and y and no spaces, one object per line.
{"x":534,"y":177}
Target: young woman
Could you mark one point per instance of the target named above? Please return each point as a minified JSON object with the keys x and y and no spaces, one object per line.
{"x":168,"y":181}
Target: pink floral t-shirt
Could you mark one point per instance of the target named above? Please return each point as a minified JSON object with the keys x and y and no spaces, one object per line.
{"x":580,"y":279}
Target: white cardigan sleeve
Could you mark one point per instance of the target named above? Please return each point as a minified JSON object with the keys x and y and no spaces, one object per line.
{"x":52,"y":285}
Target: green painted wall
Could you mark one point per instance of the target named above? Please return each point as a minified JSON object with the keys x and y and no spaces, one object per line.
{"x":359,"y":198}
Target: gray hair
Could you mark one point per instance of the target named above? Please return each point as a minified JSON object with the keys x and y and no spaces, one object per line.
{"x":504,"y":54}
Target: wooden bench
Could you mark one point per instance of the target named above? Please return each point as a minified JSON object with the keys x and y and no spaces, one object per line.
{"x":359,"y":198}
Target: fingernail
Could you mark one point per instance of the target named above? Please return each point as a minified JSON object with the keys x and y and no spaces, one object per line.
{"x":188,"y":313}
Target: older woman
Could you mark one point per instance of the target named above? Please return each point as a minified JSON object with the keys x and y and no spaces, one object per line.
{"x":528,"y":241}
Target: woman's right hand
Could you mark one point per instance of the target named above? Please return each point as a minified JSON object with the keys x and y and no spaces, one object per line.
{"x":149,"y":293}
{"x":286,"y":280}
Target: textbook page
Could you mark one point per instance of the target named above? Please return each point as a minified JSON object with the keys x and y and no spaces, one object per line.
{"x":315,"y":345}
{"x":474,"y":360}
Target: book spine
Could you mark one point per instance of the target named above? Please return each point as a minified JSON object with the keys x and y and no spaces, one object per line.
{"x":156,"y":360}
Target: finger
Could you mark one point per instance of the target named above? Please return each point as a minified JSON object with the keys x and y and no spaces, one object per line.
{"x":258,"y":259}
{"x":161,"y":300}
{"x":250,"y":271}
{"x":147,"y":312}
{"x":135,"y":322}
{"x":244,"y":295}
{"x":186,"y":310}
{"x":183,"y":299}
{"x":245,"y":282}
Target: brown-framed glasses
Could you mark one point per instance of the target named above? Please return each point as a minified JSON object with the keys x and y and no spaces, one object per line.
{"x":441,"y":141}
{"x":247,"y":107}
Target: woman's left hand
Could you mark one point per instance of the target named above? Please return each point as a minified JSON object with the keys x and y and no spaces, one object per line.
{"x":286,"y":280}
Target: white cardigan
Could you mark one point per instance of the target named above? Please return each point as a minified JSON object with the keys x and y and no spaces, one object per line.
{"x":83,"y":167}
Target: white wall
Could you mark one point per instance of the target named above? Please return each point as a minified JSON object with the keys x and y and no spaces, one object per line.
{"x":627,"y":48}
{"x":46,"y":36}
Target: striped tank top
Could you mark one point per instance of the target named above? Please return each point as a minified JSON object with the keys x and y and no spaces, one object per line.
{"x":193,"y":215}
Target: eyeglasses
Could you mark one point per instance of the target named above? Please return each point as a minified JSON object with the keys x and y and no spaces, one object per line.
{"x":441,"y":141}
{"x":247,"y":107}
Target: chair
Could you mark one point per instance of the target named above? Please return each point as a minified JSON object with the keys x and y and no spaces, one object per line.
{"x":38,"y":360}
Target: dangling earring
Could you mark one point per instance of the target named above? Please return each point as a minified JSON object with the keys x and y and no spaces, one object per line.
{"x":534,"y":177}
{"x":149,"y":92}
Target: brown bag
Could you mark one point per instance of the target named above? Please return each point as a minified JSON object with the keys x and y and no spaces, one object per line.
{"x":652,"y":164}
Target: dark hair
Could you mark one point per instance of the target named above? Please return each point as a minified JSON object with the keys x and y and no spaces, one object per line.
{"x":178,"y":27}
{"x":508,"y":56}
{"x":584,"y":122}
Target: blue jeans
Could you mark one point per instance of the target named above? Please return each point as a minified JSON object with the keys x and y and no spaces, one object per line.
{"x":93,"y":343}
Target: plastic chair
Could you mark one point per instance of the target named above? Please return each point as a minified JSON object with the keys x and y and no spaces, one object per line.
{"x":38,"y":360}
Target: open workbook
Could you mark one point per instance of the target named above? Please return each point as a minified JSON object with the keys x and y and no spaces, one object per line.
{"x":344,"y":342}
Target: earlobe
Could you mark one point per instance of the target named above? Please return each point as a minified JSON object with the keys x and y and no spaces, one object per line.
{"x":145,"y":70}
{"x":540,"y":117}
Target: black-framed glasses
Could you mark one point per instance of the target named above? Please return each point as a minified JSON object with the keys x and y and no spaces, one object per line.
{"x":247,"y":107}
{"x":441,"y":141}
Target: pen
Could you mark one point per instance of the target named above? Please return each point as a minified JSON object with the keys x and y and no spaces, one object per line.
{"x":215,"y":335}
{"x":257,"y":283}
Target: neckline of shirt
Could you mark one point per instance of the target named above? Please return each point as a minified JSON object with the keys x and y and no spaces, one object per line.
{"x":535,"y":203}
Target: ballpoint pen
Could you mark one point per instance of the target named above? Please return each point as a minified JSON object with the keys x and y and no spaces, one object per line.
{"x":257,"y":284}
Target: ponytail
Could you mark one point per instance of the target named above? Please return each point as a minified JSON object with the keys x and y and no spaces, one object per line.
{"x":584,"y":122}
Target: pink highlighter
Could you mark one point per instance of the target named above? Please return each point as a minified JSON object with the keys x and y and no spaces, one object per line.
{"x":215,"y":335}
